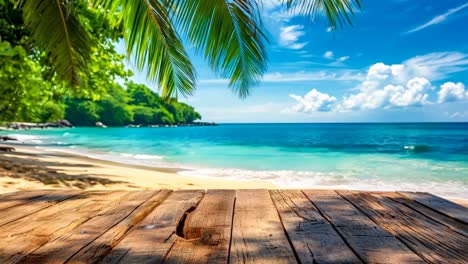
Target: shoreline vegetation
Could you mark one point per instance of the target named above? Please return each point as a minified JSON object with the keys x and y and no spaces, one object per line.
{"x":133,"y":106}
{"x":60,"y":124}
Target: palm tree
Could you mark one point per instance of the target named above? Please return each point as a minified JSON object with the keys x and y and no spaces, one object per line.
{"x":228,"y":33}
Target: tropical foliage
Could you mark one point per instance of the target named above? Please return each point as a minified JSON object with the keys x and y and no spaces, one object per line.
{"x":137,"y":105}
{"x":58,"y":59}
{"x":228,"y":33}
{"x":32,"y":91}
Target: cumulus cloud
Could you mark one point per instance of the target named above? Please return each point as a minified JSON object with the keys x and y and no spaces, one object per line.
{"x":450,"y":92}
{"x":289,"y":37}
{"x":413,"y":93}
{"x":328,"y":55}
{"x":395,"y":86}
{"x":313,"y":101}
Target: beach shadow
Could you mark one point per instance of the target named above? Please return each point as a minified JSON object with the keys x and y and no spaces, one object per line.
{"x":38,"y":171}
{"x":21,"y":156}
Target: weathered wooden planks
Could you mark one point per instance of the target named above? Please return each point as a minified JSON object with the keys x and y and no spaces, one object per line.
{"x":100,"y":247}
{"x":67,"y":245}
{"x":447,"y":207}
{"x":452,"y":223}
{"x":8,"y":200}
{"x":370,"y":242}
{"x":221,"y":226}
{"x":153,"y":237}
{"x":313,"y":237}
{"x":19,"y":238}
{"x":257,"y":233}
{"x":432,"y":240}
{"x":33,"y":205}
{"x":206,"y":231}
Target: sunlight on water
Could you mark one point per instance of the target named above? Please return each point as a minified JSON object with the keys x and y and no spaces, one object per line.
{"x":418,"y":157}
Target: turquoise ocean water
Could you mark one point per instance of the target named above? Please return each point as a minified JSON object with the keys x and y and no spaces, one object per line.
{"x":412,"y":156}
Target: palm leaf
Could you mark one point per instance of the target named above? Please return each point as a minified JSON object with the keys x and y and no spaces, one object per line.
{"x":336,"y":11}
{"x":57,"y":30}
{"x":229,"y":34}
{"x":154,"y":44}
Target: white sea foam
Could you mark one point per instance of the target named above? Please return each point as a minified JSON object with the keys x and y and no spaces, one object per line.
{"x":147,"y":157}
{"x":332,"y":180}
{"x":351,"y":179}
{"x":125,"y":158}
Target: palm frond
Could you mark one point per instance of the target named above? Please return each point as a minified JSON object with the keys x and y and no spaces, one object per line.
{"x":337,"y":12}
{"x":230,"y":35}
{"x":57,"y":30}
{"x":154,"y":45}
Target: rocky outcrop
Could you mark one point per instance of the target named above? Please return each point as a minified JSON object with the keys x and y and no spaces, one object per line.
{"x":100,"y":124}
{"x":5,"y":138}
{"x":29,"y":125}
{"x":175,"y":125}
{"x":63,"y":123}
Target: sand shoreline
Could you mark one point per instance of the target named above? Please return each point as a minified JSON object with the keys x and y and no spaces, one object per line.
{"x":63,"y":170}
{"x":30,"y":168}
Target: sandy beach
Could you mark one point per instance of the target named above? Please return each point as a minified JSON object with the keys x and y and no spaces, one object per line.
{"x":31,"y":168}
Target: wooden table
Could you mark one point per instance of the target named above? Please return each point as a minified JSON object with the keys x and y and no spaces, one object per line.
{"x":221,"y":226}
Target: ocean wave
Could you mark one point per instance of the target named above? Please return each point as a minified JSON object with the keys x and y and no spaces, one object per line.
{"x":417,"y":148}
{"x":334,"y":180}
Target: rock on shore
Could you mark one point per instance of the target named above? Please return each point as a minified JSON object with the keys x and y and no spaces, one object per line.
{"x":29,"y":125}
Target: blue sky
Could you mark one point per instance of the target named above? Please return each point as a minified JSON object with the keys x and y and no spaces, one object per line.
{"x":400,"y":61}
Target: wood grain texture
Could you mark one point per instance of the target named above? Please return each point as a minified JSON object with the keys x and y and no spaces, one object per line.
{"x":19,"y":238}
{"x":207,"y":231}
{"x":432,"y":240}
{"x":67,"y":245}
{"x":8,"y":200}
{"x":99,"y":248}
{"x":370,"y":241}
{"x":34,"y":205}
{"x":257,"y":232}
{"x":259,"y":226}
{"x":313,"y":237}
{"x":439,"y":204}
{"x":450,"y":222}
{"x":153,"y":237}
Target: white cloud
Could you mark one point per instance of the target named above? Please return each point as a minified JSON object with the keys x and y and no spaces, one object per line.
{"x":329,"y":29}
{"x":458,"y":115}
{"x":328,"y":55}
{"x":290,"y":35}
{"x":269,"y":4}
{"x":278,"y":77}
{"x":400,"y":85}
{"x":437,"y":65}
{"x":313,"y":76}
{"x":313,"y":101}
{"x":343,"y":58}
{"x":450,"y":92}
{"x":297,"y":45}
{"x":413,"y":93}
{"x":438,"y":19}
